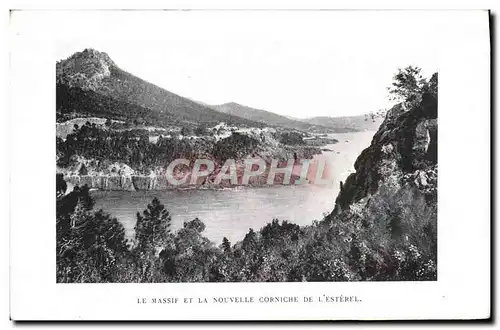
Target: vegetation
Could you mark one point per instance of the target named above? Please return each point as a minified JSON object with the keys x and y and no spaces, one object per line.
{"x":409,"y":85}
{"x":89,"y":244}
{"x":268,"y":118}
{"x":320,"y":141}
{"x":291,"y":138}
{"x":395,"y":239}
{"x":121,"y":95}
{"x":235,"y":146}
{"x":153,"y":227}
{"x":390,"y":236}
{"x":131,"y":147}
{"x":72,"y":102}
{"x":134,"y":148}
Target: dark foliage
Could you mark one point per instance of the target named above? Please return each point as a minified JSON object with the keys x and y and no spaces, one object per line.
{"x":89,"y":244}
{"x":121,"y":95}
{"x":291,"y":138}
{"x":152,"y":227}
{"x":370,"y":246}
{"x":235,"y":146}
{"x":74,"y":102}
{"x":61,"y":185}
{"x":129,"y":146}
{"x":134,"y":148}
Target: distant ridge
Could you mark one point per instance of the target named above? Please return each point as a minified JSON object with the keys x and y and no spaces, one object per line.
{"x":367,"y":122}
{"x":344,"y":124}
{"x":263,"y":116}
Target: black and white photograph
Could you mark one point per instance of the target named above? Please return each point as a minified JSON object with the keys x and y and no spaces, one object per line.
{"x":157,"y":187}
{"x":215,"y":181}
{"x":200,"y":147}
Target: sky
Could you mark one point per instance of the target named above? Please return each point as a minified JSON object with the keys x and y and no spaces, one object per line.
{"x":294,"y":63}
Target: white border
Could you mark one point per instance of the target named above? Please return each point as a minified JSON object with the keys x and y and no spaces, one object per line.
{"x":462,"y":289}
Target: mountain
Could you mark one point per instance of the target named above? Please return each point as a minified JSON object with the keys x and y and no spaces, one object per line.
{"x":365,"y":122}
{"x":266,"y":117}
{"x":90,"y":83}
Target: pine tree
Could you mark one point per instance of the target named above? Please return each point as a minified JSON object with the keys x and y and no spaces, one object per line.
{"x":83,"y":170}
{"x":153,"y":226}
{"x":407,"y":85}
{"x":226,"y":245}
{"x":78,"y":214}
{"x":61,"y":185}
{"x":250,"y":240}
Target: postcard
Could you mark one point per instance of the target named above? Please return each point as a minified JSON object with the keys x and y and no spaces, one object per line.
{"x":250,"y":165}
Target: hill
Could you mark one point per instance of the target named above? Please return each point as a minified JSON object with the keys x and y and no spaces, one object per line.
{"x":266,"y":117}
{"x":90,"y":83}
{"x":365,"y":122}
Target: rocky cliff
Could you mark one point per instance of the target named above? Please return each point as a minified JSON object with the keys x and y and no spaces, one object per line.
{"x":403,"y":153}
{"x":85,"y":70}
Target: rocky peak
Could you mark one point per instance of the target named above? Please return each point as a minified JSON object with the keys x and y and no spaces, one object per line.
{"x":84,"y":69}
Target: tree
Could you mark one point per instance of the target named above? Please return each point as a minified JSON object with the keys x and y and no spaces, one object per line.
{"x":61,"y":185}
{"x":195,"y":224}
{"x":153,"y":226}
{"x":83,"y":170}
{"x":67,"y":204}
{"x":194,"y":254}
{"x":432,"y":85}
{"x":88,"y":244}
{"x":226,"y":245}
{"x":89,"y":252}
{"x":407,"y":85}
{"x":78,"y":214}
{"x":186,"y":131}
{"x":200,"y":131}
{"x":250,"y":240}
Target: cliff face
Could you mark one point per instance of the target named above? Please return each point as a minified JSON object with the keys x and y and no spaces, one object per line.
{"x":403,"y":154}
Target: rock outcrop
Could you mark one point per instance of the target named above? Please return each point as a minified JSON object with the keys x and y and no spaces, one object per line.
{"x":85,"y":70}
{"x":403,"y":152}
